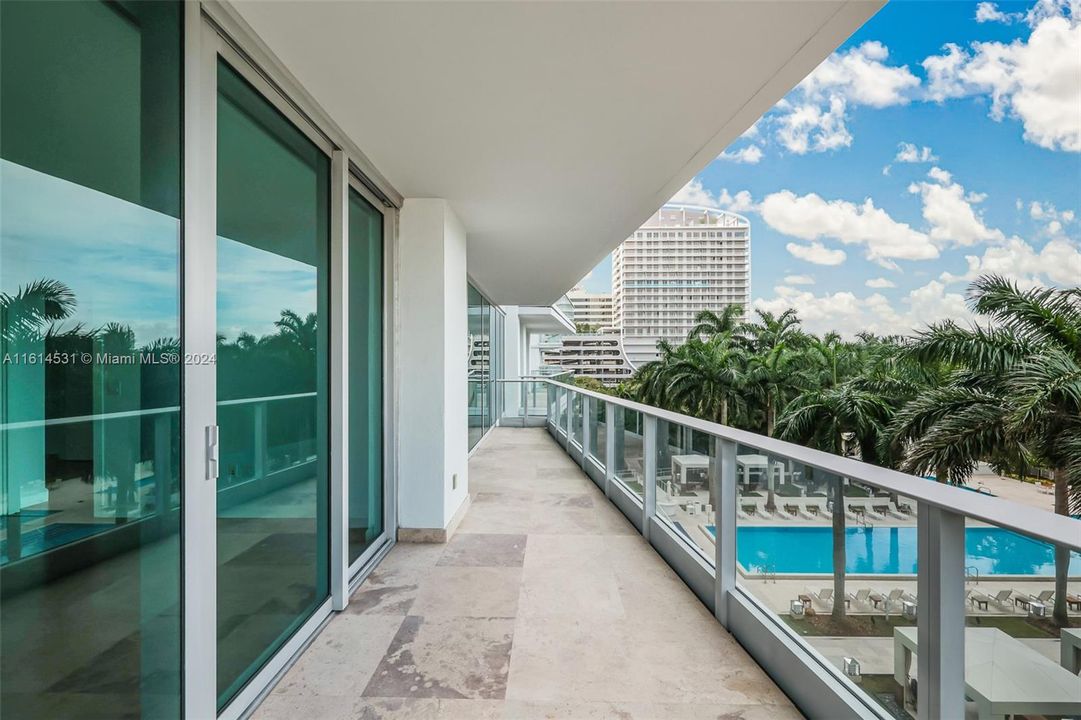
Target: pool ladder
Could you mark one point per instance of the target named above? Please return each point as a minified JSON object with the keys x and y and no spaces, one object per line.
{"x":972,"y":574}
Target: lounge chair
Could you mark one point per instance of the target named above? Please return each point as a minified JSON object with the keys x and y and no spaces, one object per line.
{"x":892,"y":511}
{"x":905,"y":507}
{"x":823,"y":596}
{"x":1025,"y":600}
{"x":1001,"y":598}
{"x":1073,"y":602}
{"x":788,"y":512}
{"x":1044,"y":596}
{"x":746,"y":511}
{"x":886,"y":600}
{"x":860,"y":597}
{"x":975,"y":597}
{"x":809,"y":512}
{"x":878,"y":512}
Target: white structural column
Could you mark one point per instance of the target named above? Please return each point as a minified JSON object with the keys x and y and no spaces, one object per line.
{"x":940,"y":614}
{"x":433,"y":351}
{"x":724,"y":524}
{"x":649,"y":472}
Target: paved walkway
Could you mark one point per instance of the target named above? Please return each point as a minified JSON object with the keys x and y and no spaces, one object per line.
{"x":545,"y":604}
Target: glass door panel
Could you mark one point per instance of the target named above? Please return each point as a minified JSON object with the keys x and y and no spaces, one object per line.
{"x":273,"y":204}
{"x":365,"y":375}
{"x":90,"y":484}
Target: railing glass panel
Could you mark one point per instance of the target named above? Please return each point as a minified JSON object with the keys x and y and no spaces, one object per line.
{"x":629,"y":469}
{"x":686,"y":487}
{"x":598,"y":431}
{"x":576,"y":418}
{"x":850,"y":561}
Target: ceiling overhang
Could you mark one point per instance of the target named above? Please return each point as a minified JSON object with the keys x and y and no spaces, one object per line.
{"x":554,"y":129}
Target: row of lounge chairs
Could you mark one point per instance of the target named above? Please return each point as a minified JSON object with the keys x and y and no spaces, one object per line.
{"x":789,"y":508}
{"x":867,"y":598}
{"x":1010,"y":600}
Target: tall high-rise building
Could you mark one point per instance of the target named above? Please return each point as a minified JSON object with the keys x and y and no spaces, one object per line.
{"x":684,"y":259}
{"x":592,"y":309}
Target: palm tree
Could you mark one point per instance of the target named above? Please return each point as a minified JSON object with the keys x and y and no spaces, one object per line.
{"x":1013,"y":395}
{"x":821,"y":418}
{"x":710,"y":324}
{"x":706,"y":378}
{"x":33,"y":307}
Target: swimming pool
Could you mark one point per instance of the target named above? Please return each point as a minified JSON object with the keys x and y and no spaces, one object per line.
{"x":887,"y":551}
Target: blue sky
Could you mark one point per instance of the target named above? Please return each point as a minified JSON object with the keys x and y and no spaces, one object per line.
{"x":942,"y":140}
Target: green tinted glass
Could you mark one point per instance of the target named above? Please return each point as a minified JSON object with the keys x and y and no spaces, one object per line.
{"x":365,"y":375}
{"x":273,"y":248}
{"x":89,"y":383}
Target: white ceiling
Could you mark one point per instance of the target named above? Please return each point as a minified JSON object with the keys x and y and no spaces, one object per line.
{"x":554,"y":129}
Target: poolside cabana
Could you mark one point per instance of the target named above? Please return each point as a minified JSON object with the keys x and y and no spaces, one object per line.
{"x":1003,"y":676}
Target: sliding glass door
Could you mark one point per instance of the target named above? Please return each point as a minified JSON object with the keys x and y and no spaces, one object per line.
{"x":365,"y":298}
{"x":90,"y":442}
{"x":273,"y":245}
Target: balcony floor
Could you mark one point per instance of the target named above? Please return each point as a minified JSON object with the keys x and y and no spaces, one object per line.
{"x":545,"y":604}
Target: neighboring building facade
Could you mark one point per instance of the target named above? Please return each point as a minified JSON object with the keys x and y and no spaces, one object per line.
{"x":593,"y":310}
{"x":597,"y":356}
{"x":684,"y":259}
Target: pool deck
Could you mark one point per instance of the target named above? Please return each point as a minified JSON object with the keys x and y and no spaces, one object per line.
{"x":545,"y":604}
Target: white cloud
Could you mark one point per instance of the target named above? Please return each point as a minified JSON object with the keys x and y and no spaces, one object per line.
{"x":810,"y":128}
{"x":989,"y":12}
{"x":850,"y":314}
{"x":817,"y":253}
{"x":880,"y":283}
{"x":950,"y":212}
{"x":741,"y":202}
{"x":909,"y":153}
{"x":813,"y":120}
{"x":1056,"y":220}
{"x":861,"y":76}
{"x":750,"y":154}
{"x":1058,"y":262}
{"x":1037,"y":80}
{"x":694,"y":194}
{"x":799,"y":280}
{"x":810,"y":217}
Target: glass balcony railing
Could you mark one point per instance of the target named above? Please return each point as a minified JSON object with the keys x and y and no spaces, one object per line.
{"x":863,"y":591}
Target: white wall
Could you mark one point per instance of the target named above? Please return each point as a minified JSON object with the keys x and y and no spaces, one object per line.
{"x":433,"y":337}
{"x":456,"y":363}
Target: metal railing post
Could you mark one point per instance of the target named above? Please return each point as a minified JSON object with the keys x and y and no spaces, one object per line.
{"x":724,"y":526}
{"x":569,"y":418}
{"x":610,"y":413}
{"x":525,"y":401}
{"x":649,"y":472}
{"x":259,"y":443}
{"x":163,"y":465}
{"x":587,"y":405}
{"x":940,"y":613}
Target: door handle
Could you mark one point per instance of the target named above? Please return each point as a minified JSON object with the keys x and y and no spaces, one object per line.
{"x":211,"y":452}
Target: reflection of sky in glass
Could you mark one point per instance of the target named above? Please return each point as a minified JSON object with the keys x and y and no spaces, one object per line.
{"x":254,"y":286}
{"x":120,"y":259}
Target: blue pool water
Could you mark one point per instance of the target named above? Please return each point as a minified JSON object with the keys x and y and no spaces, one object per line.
{"x":888,"y":551}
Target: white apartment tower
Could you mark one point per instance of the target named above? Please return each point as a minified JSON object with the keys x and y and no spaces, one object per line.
{"x":593,"y":309}
{"x":684,"y":259}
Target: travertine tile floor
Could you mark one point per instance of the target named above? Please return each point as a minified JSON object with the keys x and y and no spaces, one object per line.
{"x":545,"y":604}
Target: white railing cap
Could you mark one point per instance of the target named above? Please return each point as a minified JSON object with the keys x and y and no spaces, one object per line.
{"x":1024,"y":519}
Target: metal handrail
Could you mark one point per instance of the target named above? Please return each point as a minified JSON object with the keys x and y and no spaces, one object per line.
{"x":75,"y":419}
{"x":1054,"y":528}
